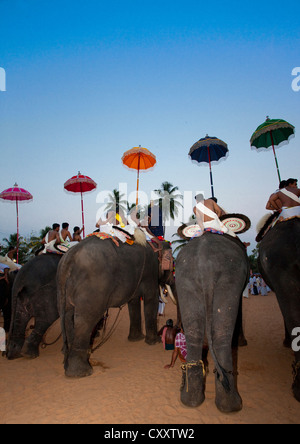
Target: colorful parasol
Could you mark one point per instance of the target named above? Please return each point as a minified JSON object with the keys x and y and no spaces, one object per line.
{"x":138,"y":158}
{"x":272,"y":133}
{"x":16,"y":194}
{"x":209,"y":150}
{"x":80,"y":184}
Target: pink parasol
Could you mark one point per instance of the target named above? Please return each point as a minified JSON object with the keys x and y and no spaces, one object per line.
{"x":80,"y":184}
{"x":16,"y":194}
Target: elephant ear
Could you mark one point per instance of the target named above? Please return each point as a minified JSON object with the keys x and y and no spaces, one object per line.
{"x":238,"y":223}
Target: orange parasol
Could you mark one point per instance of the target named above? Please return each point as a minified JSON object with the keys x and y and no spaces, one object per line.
{"x":138,"y":158}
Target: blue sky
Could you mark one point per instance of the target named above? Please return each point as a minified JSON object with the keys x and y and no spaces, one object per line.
{"x":86,"y":81}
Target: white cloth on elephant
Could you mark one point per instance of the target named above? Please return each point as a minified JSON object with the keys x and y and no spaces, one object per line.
{"x":215,"y":223}
{"x":289,"y":212}
{"x":11,"y":264}
{"x":108,"y":229}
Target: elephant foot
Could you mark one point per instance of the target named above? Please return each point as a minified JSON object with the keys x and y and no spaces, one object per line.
{"x":30,"y":351}
{"x":11,"y":355}
{"x":136,"y":337}
{"x":296,"y":383}
{"x":228,"y":399}
{"x":193,"y":384}
{"x":78,"y":365}
{"x":152,"y":340}
{"x":13,"y":351}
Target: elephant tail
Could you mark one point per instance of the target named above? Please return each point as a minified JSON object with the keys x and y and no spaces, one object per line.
{"x":62,"y":303}
{"x":220,"y":371}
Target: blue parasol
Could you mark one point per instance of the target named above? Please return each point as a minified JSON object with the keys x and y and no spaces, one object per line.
{"x":209,"y":150}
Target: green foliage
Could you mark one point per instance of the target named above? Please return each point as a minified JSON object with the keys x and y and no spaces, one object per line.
{"x":253,"y":259}
{"x":27,"y":246}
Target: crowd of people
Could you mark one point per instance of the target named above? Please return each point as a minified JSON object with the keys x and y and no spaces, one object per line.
{"x":256,"y":286}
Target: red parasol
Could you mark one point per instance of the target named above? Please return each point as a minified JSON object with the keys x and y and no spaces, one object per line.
{"x":80,"y":184}
{"x":16,"y":194}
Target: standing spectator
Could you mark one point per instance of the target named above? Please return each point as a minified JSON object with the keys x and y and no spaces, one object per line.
{"x":180,"y":349}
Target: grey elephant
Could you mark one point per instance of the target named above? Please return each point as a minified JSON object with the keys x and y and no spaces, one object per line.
{"x":96,"y":275}
{"x":211,"y":273}
{"x":34,"y":295}
{"x":279,"y":263}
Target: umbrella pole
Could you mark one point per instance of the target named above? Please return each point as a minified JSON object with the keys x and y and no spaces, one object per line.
{"x":82,"y":213}
{"x":210,"y":172}
{"x":138,"y":183}
{"x":275,"y":157}
{"x":17,"y":208}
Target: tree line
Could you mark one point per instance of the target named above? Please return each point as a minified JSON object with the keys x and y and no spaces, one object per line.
{"x":168,"y":198}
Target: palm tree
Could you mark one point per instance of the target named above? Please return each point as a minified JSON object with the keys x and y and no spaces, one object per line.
{"x":116,"y":202}
{"x":168,"y":201}
{"x":12,"y":242}
{"x":34,"y":243}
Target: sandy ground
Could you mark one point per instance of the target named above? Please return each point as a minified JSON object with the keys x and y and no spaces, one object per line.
{"x":132,"y":387}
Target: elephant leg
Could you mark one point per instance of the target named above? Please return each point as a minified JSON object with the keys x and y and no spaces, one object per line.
{"x":17,"y":335}
{"x":78,"y":331}
{"x":193,"y":371}
{"x":151,"y":300}
{"x":135,"y":331}
{"x":223,"y":324}
{"x":290,"y":310}
{"x":31,"y":346}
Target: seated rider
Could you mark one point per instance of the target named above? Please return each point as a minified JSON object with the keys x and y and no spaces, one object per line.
{"x":113,"y":218}
{"x":65,"y":233}
{"x":9,"y":259}
{"x":76,"y":234}
{"x":287,"y":200}
{"x":152,"y":225}
{"x":51,"y":239}
{"x":269,"y":206}
{"x":208,"y":212}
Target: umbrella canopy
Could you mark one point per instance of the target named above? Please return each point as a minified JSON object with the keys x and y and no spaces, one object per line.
{"x":270,"y":134}
{"x":209,"y":150}
{"x":16,"y":194}
{"x":80,"y":184}
{"x":138,"y":159}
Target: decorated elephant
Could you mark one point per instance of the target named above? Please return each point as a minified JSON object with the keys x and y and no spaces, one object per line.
{"x":279,"y":262}
{"x":211,"y":273}
{"x":34,"y":295}
{"x":96,"y":275}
